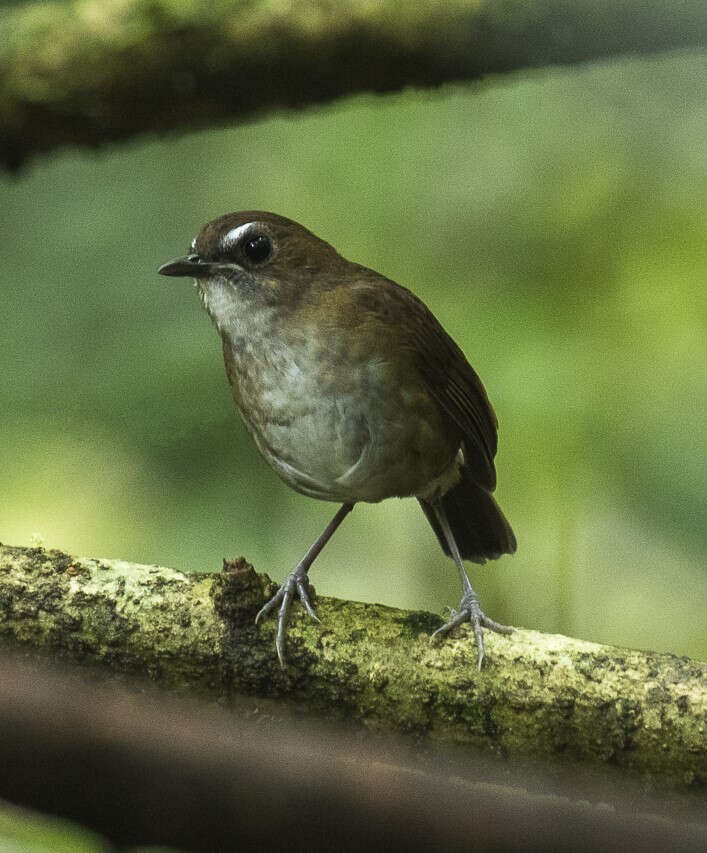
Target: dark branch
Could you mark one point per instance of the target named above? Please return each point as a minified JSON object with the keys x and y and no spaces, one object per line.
{"x":145,"y":769}
{"x":74,"y":73}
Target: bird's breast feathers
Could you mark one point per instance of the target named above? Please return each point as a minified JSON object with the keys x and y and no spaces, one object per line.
{"x":334,"y":424}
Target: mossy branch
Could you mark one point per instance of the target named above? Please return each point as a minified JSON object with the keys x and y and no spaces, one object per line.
{"x":80,"y":73}
{"x":539,"y":696}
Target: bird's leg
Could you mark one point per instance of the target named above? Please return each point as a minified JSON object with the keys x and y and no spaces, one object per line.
{"x":298,"y":582}
{"x":469,"y":607}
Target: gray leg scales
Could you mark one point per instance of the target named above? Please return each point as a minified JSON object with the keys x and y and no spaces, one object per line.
{"x":469,"y":607}
{"x":470,"y":611}
{"x":298,"y":583}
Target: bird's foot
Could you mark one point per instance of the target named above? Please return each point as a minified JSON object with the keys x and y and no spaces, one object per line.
{"x":297,"y":583}
{"x":470,"y":611}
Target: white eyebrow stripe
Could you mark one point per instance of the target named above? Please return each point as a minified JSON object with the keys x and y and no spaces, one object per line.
{"x":230,"y":238}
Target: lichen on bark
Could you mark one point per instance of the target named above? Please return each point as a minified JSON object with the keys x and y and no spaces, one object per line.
{"x":539,"y":696}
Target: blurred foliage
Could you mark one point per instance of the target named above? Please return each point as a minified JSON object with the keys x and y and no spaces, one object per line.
{"x":27,"y":831}
{"x":555,"y":224}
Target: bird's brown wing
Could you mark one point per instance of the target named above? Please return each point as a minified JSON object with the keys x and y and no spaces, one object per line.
{"x":448,"y":376}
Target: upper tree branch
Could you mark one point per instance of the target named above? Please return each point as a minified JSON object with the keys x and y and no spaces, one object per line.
{"x":539,"y":695}
{"x":87,"y":73}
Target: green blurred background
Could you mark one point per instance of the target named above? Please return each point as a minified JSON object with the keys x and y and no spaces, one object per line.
{"x":555,"y":224}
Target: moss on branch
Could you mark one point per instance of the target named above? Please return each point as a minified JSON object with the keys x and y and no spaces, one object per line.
{"x":539,"y":695}
{"x":86,"y":73}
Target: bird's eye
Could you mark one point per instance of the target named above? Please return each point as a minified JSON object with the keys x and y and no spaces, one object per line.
{"x":257,"y":249}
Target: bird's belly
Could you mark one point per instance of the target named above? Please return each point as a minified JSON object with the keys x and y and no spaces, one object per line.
{"x":356,"y":436}
{"x":305,"y":432}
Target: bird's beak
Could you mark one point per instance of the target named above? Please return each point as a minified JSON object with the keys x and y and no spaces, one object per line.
{"x":191,"y":266}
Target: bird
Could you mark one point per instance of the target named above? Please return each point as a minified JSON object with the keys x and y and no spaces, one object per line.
{"x":352,"y":391}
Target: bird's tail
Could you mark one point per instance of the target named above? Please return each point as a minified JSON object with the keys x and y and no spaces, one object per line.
{"x":480,"y":529}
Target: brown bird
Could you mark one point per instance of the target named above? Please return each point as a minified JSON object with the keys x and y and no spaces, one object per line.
{"x":352,"y":391}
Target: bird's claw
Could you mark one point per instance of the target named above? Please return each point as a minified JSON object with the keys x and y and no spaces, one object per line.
{"x":298,"y":583}
{"x":470,"y":611}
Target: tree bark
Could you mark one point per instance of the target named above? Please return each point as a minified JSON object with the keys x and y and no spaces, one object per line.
{"x":538,"y":696}
{"x":81,"y":73}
